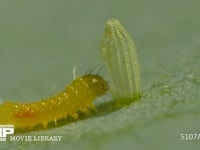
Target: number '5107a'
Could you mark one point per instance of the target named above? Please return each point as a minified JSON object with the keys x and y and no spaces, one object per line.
{"x":189,"y":136}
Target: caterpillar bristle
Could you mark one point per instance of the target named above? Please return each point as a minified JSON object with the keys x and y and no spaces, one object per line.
{"x":55,"y":121}
{"x":93,"y":109}
{"x":45,"y":124}
{"x":75,"y":116}
{"x":86,"y":111}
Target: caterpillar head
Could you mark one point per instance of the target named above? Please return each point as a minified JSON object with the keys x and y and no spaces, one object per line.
{"x":96,"y":84}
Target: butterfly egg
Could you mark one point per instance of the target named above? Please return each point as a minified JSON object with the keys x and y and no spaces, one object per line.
{"x":120,"y":58}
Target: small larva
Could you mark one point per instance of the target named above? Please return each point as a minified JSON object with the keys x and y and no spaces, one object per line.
{"x":78,"y":96}
{"x":119,"y":55}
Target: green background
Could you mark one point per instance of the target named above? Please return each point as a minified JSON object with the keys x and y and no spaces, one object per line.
{"x":42,"y":40}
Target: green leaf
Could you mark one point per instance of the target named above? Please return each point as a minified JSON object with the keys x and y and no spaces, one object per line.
{"x":41,"y":42}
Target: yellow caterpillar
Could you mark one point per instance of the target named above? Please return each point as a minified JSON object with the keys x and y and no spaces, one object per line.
{"x":78,"y":96}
